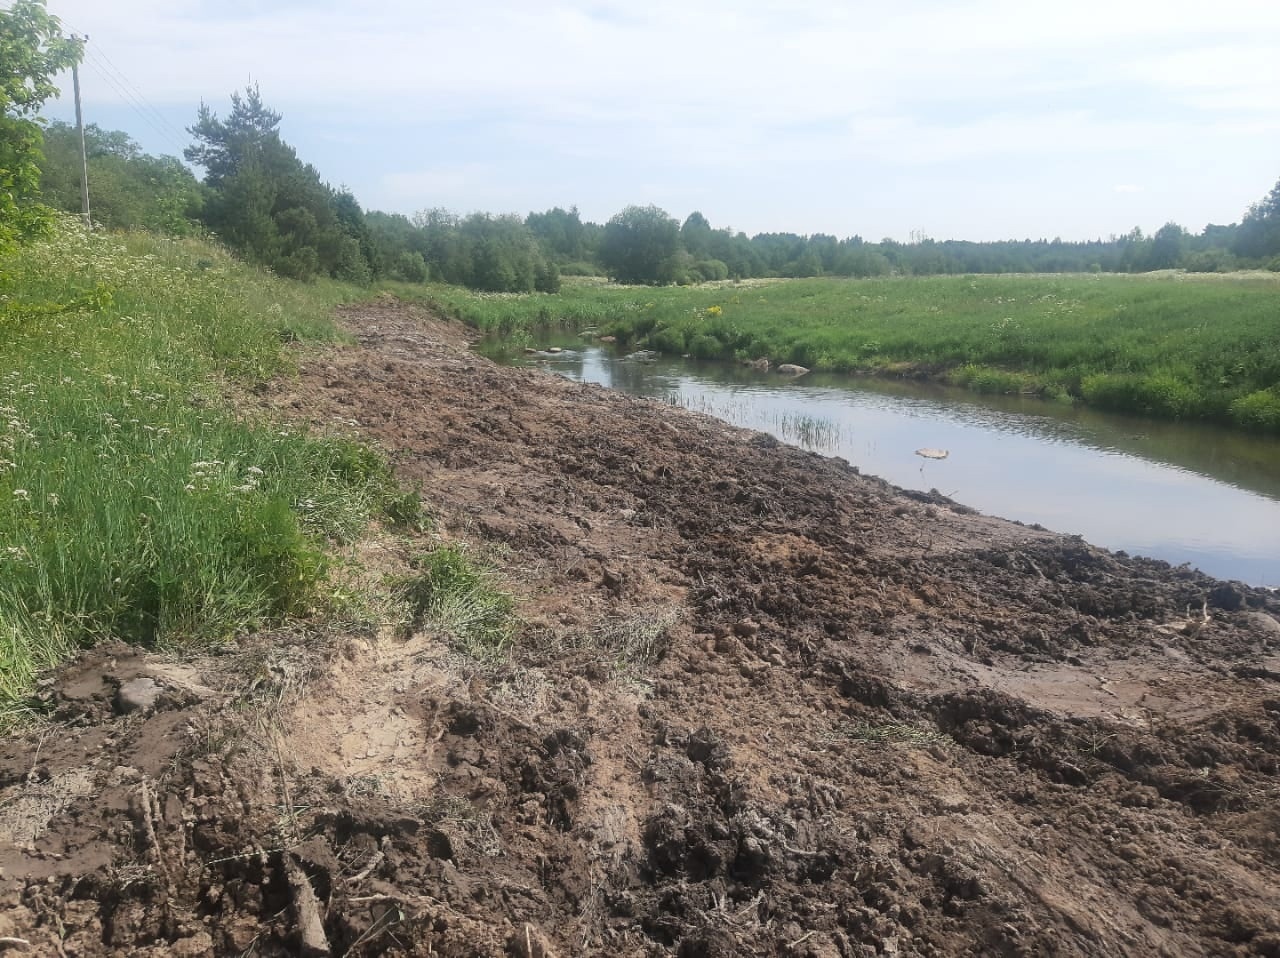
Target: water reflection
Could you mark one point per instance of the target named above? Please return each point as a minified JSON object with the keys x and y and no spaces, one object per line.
{"x":1178,"y":492}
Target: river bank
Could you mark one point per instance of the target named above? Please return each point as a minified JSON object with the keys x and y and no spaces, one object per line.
{"x":1169,"y":345}
{"x":758,"y":704}
{"x":1182,"y":492}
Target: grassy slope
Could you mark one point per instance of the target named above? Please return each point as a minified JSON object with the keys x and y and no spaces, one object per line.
{"x":133,"y":501}
{"x":1171,"y":346}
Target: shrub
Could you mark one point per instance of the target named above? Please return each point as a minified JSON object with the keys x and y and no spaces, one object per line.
{"x":985,"y":379}
{"x":711,"y":270}
{"x":547,"y":277}
{"x":410,"y":267}
{"x":705,"y":346}
{"x":667,"y":340}
{"x":1258,"y":410}
{"x":1159,"y":394}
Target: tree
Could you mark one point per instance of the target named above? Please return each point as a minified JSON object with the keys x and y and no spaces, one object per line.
{"x":131,"y":189}
{"x":1168,"y":247}
{"x":265,"y":202}
{"x":492,"y":253}
{"x":32,"y":51}
{"x":222,"y":148}
{"x":1258,"y":236}
{"x":695,"y":234}
{"x":560,"y":232}
{"x":640,"y":246}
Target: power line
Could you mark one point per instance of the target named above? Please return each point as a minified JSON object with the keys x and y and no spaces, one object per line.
{"x":134,"y":104}
{"x":105,"y":68}
{"x":100,"y":56}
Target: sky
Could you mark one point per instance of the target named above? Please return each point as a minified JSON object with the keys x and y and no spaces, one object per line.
{"x":989,"y":119}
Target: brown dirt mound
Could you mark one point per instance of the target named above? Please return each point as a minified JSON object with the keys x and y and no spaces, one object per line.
{"x":763,"y":705}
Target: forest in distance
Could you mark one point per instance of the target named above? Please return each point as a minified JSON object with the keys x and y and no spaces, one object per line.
{"x":261,"y":199}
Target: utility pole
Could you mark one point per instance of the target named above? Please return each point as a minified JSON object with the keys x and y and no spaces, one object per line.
{"x":84,"y":156}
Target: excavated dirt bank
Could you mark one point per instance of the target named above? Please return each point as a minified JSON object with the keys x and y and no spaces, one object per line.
{"x":762,"y":705}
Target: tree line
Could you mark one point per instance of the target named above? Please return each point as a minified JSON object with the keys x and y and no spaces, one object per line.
{"x":262,"y":200}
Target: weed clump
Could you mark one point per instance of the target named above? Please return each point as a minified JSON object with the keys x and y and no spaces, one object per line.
{"x":451,"y":592}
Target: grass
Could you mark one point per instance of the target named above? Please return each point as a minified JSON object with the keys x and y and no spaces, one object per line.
{"x":134,"y":501}
{"x":1168,"y":345}
{"x":455,"y":594}
{"x":911,"y":736}
{"x":625,"y":644}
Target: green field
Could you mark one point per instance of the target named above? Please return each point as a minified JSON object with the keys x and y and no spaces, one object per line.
{"x":1172,"y":345}
{"x":135,"y":501}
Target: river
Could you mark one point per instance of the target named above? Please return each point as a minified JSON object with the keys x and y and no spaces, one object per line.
{"x":1185,"y":493}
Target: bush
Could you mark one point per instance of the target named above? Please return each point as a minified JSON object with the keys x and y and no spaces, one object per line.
{"x":1210,"y":261}
{"x":711,"y":270}
{"x":410,"y":267}
{"x":547,"y":277}
{"x":984,"y":379}
{"x":351,"y":265}
{"x":705,"y":346}
{"x":670,"y":341}
{"x":1258,"y":410}
{"x":1159,"y":394}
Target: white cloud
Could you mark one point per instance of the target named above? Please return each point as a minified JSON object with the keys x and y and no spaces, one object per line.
{"x":672,"y":92}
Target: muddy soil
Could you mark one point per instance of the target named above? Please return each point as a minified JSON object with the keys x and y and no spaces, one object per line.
{"x":760,"y":705}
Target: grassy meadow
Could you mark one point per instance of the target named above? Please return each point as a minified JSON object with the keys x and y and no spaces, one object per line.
{"x":135,"y":501}
{"x":1178,"y":346}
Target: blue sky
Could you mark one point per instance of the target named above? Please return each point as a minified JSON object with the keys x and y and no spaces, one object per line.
{"x":982,"y":120}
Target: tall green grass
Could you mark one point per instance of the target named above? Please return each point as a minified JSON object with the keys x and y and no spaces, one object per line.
{"x":134,"y":501}
{"x":1170,"y":345}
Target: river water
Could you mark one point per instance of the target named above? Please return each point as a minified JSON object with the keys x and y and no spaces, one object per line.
{"x":1183,"y":493}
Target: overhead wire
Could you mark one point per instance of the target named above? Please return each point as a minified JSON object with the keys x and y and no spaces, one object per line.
{"x":100,"y":57}
{"x":138,"y":107}
{"x":105,"y":69}
{"x":134,"y":104}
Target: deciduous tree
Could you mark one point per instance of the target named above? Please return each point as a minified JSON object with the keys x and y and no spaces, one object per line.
{"x":32,"y":52}
{"x":640,"y":246}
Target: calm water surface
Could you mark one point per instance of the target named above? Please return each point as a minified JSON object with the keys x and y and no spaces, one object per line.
{"x":1176,"y":492}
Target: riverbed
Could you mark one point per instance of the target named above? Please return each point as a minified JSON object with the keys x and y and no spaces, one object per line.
{"x":1184,"y":493}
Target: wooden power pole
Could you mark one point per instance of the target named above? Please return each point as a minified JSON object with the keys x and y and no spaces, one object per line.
{"x":84,"y":156}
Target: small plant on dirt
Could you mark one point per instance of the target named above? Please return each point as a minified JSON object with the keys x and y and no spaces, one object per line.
{"x":625,"y":643}
{"x":913,"y":736}
{"x":451,"y":592}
